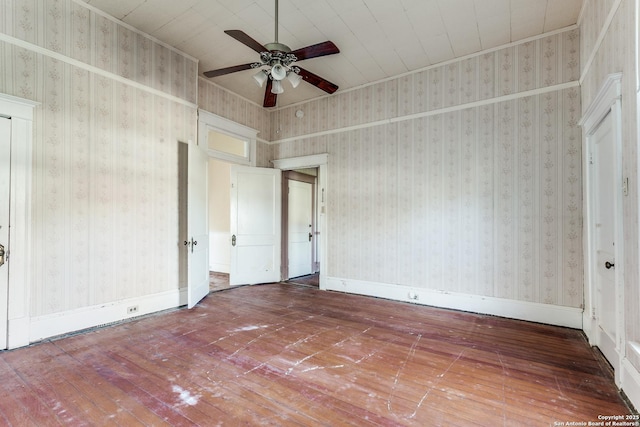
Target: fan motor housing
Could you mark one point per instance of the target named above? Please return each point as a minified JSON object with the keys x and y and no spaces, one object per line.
{"x":278,"y":47}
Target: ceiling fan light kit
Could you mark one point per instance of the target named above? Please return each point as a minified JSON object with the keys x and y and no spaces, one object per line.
{"x":294,"y":78}
{"x":275,"y":64}
{"x":278,"y":72}
{"x":261,"y":77}
{"x":276,"y":87}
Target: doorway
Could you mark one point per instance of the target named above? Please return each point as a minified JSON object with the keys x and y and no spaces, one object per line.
{"x":604,"y":171}
{"x":16,"y":158}
{"x":603,"y":316}
{"x":5,"y":183}
{"x":219,"y":224}
{"x":300,"y":225}
{"x":317,"y":162}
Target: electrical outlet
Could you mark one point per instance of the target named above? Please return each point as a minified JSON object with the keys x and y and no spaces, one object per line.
{"x":132,"y":309}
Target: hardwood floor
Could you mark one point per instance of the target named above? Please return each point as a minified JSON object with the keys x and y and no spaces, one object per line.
{"x":282,"y":355}
{"x":218,"y":281}
{"x":310,"y":280}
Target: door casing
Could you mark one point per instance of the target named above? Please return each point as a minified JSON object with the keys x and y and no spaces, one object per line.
{"x":19,"y":284}
{"x":607,"y":101}
{"x":5,"y":205}
{"x":296,"y":176}
{"x":321,"y":162}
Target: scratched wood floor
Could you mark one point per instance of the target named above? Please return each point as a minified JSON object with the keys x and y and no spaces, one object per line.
{"x":283,"y":355}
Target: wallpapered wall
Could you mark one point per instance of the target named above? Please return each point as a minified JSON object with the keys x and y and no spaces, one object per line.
{"x":105,"y":202}
{"x":615,"y":55}
{"x":483,"y":200}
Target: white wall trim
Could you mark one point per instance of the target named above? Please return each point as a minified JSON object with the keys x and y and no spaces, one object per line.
{"x":134,"y":29}
{"x":51,"y":325}
{"x":14,"y":107}
{"x":610,"y":91}
{"x":475,"y":104}
{"x":603,"y":33}
{"x":301,"y":162}
{"x":582,"y":12}
{"x":92,"y":69}
{"x":209,"y":82}
{"x":208,"y":121}
{"x":522,"y":310}
{"x":321,"y":162}
{"x":630,"y":379}
{"x":439,"y":64}
{"x":21,"y":113}
{"x":607,"y":101}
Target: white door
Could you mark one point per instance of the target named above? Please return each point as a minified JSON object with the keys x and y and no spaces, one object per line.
{"x":300,"y":229}
{"x":5,"y":143}
{"x":197,"y":240}
{"x":604,"y":172}
{"x":255,"y":225}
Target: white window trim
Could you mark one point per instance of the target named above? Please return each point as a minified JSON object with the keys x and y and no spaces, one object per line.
{"x":208,"y":121}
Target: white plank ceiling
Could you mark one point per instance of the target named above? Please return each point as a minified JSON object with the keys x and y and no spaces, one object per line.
{"x":377,"y":39}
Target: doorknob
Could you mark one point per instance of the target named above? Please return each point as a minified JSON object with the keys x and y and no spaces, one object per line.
{"x":1,"y":255}
{"x":609,"y":265}
{"x":310,"y":236}
{"x":191,"y":243}
{"x":233,"y":240}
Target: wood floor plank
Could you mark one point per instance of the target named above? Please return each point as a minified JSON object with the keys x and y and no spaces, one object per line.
{"x":288,"y":355}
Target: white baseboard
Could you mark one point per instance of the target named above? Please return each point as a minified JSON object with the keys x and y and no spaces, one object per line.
{"x":219,"y":268}
{"x":18,"y":332}
{"x":51,"y":325}
{"x":630,"y":383}
{"x":522,"y":310}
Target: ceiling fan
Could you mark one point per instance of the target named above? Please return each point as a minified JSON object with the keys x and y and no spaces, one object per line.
{"x":279,"y":62}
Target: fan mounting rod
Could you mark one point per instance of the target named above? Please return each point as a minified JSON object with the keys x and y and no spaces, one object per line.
{"x":276,"y":31}
{"x":276,"y":45}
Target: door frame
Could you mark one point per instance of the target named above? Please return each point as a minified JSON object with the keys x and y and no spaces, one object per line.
{"x":290,"y":175}
{"x":319,"y":161}
{"x":607,"y":101}
{"x":20,"y":111}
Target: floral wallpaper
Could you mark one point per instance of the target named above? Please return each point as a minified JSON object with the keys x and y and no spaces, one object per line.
{"x":615,"y":55}
{"x":105,"y":184}
{"x":532,"y":65}
{"x":484,"y":200}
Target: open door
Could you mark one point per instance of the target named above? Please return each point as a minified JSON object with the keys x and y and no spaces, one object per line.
{"x":255,"y":225}
{"x":300,"y":228}
{"x":197,"y":240}
{"x":5,"y":142}
{"x":604,"y":173}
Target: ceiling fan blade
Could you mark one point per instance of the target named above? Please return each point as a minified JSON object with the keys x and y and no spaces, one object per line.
{"x":246,"y":40}
{"x":318,"y":81}
{"x":228,"y":70}
{"x":269,"y":98}
{"x":316,"y":50}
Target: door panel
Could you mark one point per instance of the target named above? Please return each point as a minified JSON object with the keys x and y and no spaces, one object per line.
{"x":5,"y":176}
{"x":197,"y":240}
{"x":604,"y":216}
{"x":300,"y":227}
{"x":255,"y":225}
